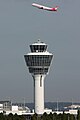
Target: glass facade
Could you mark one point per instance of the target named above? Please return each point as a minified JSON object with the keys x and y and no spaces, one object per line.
{"x":38,"y":48}
{"x":38,"y":70}
{"x":38,"y":60}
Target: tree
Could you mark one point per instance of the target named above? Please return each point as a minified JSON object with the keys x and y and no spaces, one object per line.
{"x":2,"y":117}
{"x":34,"y":117}
{"x":50,"y":116}
{"x":72,"y":117}
{"x":44,"y":116}
{"x":55,"y":116}
{"x":78,"y":115}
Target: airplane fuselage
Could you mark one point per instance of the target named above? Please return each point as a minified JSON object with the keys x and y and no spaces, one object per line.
{"x":44,"y":7}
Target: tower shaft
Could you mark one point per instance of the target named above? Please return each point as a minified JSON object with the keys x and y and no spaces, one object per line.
{"x":39,"y":93}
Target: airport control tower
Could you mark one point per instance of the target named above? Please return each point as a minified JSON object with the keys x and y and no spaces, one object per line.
{"x":38,"y":62}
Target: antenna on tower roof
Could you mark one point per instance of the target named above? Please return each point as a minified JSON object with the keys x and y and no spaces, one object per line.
{"x":39,"y":40}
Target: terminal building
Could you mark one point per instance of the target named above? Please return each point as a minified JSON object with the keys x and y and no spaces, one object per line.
{"x":7,"y":107}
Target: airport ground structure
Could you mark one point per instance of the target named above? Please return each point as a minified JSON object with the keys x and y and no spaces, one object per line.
{"x":6,"y":107}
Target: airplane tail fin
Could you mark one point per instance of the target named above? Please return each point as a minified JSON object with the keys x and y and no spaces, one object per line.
{"x":55,"y":8}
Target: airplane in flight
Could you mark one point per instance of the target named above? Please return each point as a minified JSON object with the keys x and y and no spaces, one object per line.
{"x":44,"y":7}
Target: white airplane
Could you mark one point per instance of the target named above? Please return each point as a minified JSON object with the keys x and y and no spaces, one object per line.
{"x":44,"y":7}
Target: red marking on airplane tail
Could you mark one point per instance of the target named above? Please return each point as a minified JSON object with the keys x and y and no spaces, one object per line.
{"x":55,"y":9}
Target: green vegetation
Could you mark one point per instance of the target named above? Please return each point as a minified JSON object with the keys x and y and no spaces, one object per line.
{"x":12,"y":117}
{"x":55,"y":116}
{"x":45,"y":116}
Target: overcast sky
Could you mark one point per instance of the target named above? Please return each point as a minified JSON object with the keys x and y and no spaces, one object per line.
{"x":21,"y":25}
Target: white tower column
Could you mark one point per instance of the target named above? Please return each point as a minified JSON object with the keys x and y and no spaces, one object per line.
{"x":39,"y":93}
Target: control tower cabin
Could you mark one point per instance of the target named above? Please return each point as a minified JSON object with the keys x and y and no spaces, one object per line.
{"x":38,"y":62}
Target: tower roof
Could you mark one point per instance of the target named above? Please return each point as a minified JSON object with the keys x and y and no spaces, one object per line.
{"x":39,"y":43}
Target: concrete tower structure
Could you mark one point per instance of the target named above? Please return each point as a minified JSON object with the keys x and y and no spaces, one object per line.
{"x":38,"y":62}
